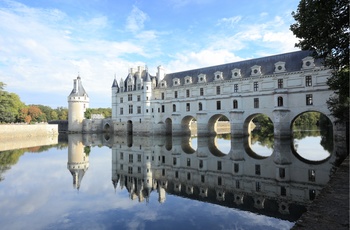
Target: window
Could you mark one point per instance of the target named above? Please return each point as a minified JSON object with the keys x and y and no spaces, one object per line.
{"x":121,"y":111}
{"x":283,"y":191}
{"x":138,"y":157}
{"x":200,"y":164}
{"x":131,"y":109}
{"x":309,"y":99}
{"x":174,"y":108}
{"x":280,"y":101}
{"x":188,"y":162}
{"x":201,"y":91}
{"x":187,"y":93}
{"x":176,"y":174}
{"x":138,"y":98}
{"x":256,"y":102}
{"x":235,"y":88}
{"x":174,"y":160}
{"x":121,"y":155}
{"x":138,"y":169}
{"x":236,"y":167}
{"x":163,"y":159}
{"x":257,"y":186}
{"x":129,"y":97}
{"x":218,"y":105}
{"x":129,"y":87}
{"x":188,"y":108}
{"x":218,"y":90}
{"x":219,"y":165}
{"x":312,"y":175}
{"x":237,"y":184}
{"x":312,"y":194}
{"x":163,"y":172}
{"x":280,"y":83}
{"x":308,"y":81}
{"x":131,"y":158}
{"x":163,"y":108}
{"x":188,"y":176}
{"x":130,"y":170}
{"x":219,"y":180}
{"x":202,"y":178}
{"x":139,"y":86}
{"x":162,"y":96}
{"x":257,"y":169}
{"x":121,"y":100}
{"x":235,"y":104}
{"x":138,"y":109}
{"x":200,"y":106}
{"x":256,"y":86}
{"x":282,"y":173}
{"x":175,"y":94}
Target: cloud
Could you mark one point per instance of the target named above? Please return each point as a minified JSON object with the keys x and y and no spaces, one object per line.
{"x":136,"y":19}
{"x":229,"y":22}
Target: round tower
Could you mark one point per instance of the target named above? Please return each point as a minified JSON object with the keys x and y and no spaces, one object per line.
{"x":115,"y":90}
{"x":78,"y":102}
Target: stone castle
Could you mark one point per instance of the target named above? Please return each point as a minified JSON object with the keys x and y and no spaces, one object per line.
{"x":282,"y":87}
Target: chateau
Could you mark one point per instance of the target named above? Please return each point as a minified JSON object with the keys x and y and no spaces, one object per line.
{"x":281,"y":86}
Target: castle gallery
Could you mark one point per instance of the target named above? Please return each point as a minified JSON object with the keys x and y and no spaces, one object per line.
{"x":281,"y":87}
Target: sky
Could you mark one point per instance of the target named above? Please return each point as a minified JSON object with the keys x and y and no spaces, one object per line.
{"x":44,"y":45}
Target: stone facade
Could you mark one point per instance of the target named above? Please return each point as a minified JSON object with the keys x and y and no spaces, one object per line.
{"x":281,"y":86}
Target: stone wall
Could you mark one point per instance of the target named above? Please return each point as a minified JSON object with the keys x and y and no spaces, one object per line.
{"x":15,"y":131}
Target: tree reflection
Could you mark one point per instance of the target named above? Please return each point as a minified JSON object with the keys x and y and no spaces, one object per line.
{"x":263,"y":132}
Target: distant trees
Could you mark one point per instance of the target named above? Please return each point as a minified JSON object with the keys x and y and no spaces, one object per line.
{"x":10,"y":106}
{"x":106,"y":112}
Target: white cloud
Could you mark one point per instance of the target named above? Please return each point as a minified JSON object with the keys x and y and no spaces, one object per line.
{"x":229,"y":22}
{"x":136,"y":20}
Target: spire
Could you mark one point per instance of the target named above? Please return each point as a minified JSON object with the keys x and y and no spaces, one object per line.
{"x":148,"y":77}
{"x":115,"y":82}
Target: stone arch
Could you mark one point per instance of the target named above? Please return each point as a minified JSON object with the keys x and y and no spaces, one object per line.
{"x":248,"y":124}
{"x":213,"y":148}
{"x":107,"y":128}
{"x":213,"y":123}
{"x":168,"y":126}
{"x":129,"y":127}
{"x":186,"y":124}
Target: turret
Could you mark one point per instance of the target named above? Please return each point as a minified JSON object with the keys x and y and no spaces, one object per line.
{"x":115,"y":90}
{"x":78,"y":102}
{"x":160,"y":73}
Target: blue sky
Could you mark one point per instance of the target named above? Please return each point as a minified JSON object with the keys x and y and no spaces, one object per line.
{"x":44,"y":44}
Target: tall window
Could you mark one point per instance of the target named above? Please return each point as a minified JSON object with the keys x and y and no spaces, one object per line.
{"x":188,"y":108}
{"x":163,"y":108}
{"x":280,"y":83}
{"x":256,"y":86}
{"x":201,"y":91}
{"x":256,"y":102}
{"x":309,"y":99}
{"x":218,"y":105}
{"x":219,"y":165}
{"x":129,"y":97}
{"x":257,"y":186}
{"x":175,"y":94}
{"x":139,"y":86}
{"x":200,"y":106}
{"x":235,"y":104}
{"x":174,"y":108}
{"x":121,"y":100}
{"x":162,"y":96}
{"x":138,"y":109}
{"x":218,"y":90}
{"x":280,"y":101}
{"x":131,"y":158}
{"x":121,"y":111}
{"x":312,"y":175}
{"x":188,"y":162}
{"x":235,"y":88}
{"x":308,"y":81}
{"x":138,"y":98}
{"x":131,"y":109}
{"x":187,"y":93}
{"x":129,"y":87}
{"x":257,"y":169}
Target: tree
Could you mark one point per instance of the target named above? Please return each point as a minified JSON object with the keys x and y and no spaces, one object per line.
{"x":323,"y":27}
{"x":10,"y":106}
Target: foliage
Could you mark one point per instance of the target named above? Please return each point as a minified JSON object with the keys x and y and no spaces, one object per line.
{"x":323,"y":27}
{"x":10,"y":106}
{"x":263,"y":132}
{"x":106,"y":112}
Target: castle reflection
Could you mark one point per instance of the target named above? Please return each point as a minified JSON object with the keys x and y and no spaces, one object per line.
{"x":280,"y":185}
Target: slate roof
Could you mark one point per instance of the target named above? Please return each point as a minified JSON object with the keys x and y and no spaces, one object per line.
{"x":293,"y":62}
{"x":79,"y":90}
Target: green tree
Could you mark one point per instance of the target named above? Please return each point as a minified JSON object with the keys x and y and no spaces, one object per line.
{"x":323,"y":27}
{"x":10,"y":106}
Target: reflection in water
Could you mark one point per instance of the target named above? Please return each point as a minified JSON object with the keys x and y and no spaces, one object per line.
{"x":236,"y":179}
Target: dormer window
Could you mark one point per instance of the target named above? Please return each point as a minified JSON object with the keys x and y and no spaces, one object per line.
{"x":256,"y":71}
{"x":163,"y":84}
{"x":236,"y":73}
{"x":308,"y":63}
{"x":202,"y":78}
{"x":176,"y":81}
{"x":218,"y":76}
{"x":280,"y":67}
{"x":188,"y":80}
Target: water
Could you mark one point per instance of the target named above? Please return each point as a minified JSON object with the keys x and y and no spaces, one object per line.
{"x":110,"y":182}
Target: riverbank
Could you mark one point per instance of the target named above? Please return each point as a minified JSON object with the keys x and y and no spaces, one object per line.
{"x":330,"y":209}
